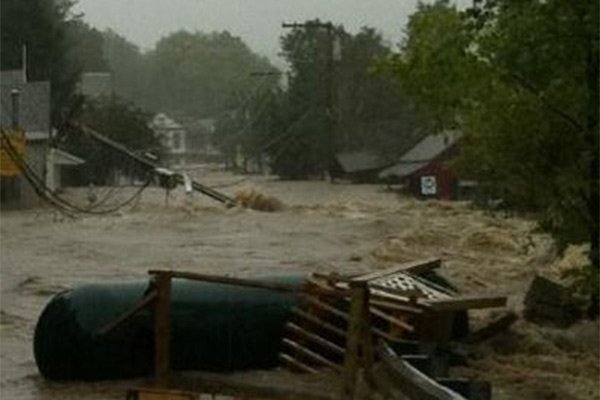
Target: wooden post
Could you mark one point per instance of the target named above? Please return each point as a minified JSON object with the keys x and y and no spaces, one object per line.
{"x":359,"y":350}
{"x":162,"y":330}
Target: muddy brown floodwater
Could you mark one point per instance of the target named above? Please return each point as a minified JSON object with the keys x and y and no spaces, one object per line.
{"x":323,"y":227}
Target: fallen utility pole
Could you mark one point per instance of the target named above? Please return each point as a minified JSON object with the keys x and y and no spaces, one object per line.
{"x":179,"y":178}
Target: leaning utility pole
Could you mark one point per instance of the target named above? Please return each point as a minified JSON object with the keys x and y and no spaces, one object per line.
{"x":329,"y":86}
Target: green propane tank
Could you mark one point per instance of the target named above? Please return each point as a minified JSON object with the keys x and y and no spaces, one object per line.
{"x":215,"y":327}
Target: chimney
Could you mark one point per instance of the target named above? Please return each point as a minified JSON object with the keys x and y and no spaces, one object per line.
{"x":14,"y":97}
{"x":24,"y":62}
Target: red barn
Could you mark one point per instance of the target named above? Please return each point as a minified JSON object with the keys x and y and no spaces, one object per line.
{"x":423,"y":168}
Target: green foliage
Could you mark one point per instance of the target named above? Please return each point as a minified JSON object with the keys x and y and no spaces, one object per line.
{"x":59,"y":46}
{"x":120,"y":121}
{"x":129,"y":67}
{"x":42,"y":27}
{"x":193,"y":73}
{"x":514,"y":77}
{"x":85,"y":47}
{"x":331,"y":104}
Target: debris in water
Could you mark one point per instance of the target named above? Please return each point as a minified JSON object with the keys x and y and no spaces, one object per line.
{"x":252,"y":198}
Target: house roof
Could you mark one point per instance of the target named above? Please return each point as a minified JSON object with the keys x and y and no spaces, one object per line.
{"x":61,"y":157}
{"x":34,"y":104}
{"x":428,"y":149}
{"x":360,"y":161}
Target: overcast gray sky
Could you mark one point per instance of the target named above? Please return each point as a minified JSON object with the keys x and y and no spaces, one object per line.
{"x":258,"y":22}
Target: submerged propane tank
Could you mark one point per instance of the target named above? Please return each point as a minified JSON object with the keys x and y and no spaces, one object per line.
{"x":215,"y":327}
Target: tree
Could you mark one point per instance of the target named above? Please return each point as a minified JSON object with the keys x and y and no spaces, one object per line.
{"x":197,"y":73}
{"x":119,"y":120}
{"x":333,"y":102}
{"x":40,"y":26}
{"x":520,"y":79}
{"x":130,"y":68}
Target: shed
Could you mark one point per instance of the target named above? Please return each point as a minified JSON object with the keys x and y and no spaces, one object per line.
{"x":358,"y":166}
{"x":423,"y":167}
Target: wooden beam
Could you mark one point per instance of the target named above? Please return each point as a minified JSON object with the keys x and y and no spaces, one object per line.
{"x":359,"y":352}
{"x":320,"y":323}
{"x":322,"y":287}
{"x":315,"y":338}
{"x":162,"y":330}
{"x":413,"y":267}
{"x":136,"y":308}
{"x":395,"y":306}
{"x":228,"y":280}
{"x":465,"y":303}
{"x":392,"y":320}
{"x":287,"y":359}
{"x":327,"y":307}
{"x":311,"y":354}
{"x":494,"y":327}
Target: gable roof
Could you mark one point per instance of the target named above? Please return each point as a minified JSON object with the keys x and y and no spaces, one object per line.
{"x":34,"y":104}
{"x":423,"y":153}
{"x":360,"y":161}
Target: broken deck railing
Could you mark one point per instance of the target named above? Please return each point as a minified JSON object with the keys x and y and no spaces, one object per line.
{"x":388,"y":305}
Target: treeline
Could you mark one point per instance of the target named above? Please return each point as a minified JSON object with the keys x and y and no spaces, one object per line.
{"x":194,"y":73}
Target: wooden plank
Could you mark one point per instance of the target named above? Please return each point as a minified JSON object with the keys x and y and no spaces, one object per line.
{"x":315,"y":338}
{"x":413,"y":267}
{"x":395,"y":306}
{"x":320,"y":323}
{"x":228,"y":280}
{"x":327,"y":307}
{"x":494,"y":327}
{"x":291,"y":361}
{"x":392,"y":320}
{"x":136,"y":308}
{"x":413,"y":383}
{"x":322,"y":287}
{"x":358,"y":343}
{"x":466,"y":303}
{"x":383,"y":335}
{"x":311,"y":354}
{"x":162,"y":330}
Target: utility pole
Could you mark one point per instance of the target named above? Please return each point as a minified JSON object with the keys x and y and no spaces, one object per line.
{"x":329,"y":87}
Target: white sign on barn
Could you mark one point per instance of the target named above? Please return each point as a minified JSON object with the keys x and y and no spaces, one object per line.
{"x":428,"y":185}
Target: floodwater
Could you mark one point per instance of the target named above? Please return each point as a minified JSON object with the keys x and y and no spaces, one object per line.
{"x":323,"y":227}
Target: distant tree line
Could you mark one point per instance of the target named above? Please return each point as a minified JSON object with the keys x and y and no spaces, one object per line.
{"x":192,"y":75}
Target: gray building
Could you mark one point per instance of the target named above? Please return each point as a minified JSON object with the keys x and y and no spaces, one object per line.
{"x":30,"y":102}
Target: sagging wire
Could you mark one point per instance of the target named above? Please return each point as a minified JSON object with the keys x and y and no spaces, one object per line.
{"x":52,"y":198}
